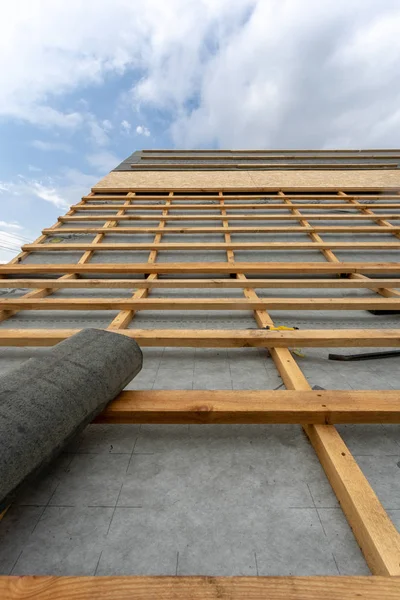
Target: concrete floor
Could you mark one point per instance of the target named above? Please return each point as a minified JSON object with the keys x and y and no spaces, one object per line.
{"x":215,"y":500}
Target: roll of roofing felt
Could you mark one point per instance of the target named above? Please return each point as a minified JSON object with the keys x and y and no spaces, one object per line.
{"x":46,"y":401}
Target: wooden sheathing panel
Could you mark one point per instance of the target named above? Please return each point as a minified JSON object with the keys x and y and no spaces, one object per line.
{"x":256,"y":180}
{"x":373,"y":529}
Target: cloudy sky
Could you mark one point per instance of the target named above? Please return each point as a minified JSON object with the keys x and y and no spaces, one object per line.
{"x":85,"y":83}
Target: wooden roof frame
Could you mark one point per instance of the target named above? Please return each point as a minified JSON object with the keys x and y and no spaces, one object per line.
{"x":317,"y":411}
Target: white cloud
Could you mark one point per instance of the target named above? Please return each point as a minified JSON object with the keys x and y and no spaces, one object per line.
{"x":41,"y":199}
{"x":51,"y":146}
{"x":126,"y":126}
{"x":107,"y":125}
{"x":103,"y":161}
{"x":34,"y":169}
{"x":242,"y":73}
{"x":49,"y":194}
{"x":99,"y":132}
{"x":8,"y":225}
{"x":32,"y":187}
{"x":142,"y":130}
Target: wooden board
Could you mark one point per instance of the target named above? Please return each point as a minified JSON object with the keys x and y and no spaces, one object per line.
{"x":278,"y":268}
{"x":200,"y":304}
{"x":203,"y":246}
{"x":221,"y":338}
{"x":253,"y":230}
{"x":231,"y":206}
{"x":266,"y":406}
{"x":199,"y":588}
{"x":199,"y":283}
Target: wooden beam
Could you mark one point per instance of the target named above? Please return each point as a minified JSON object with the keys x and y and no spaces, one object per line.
{"x":200,"y":304}
{"x":213,"y":205}
{"x":379,"y":268}
{"x":198,"y":588}
{"x":203,"y":246}
{"x":244,"y":217}
{"x":199,"y":196}
{"x":221,"y":338}
{"x":198,"y":283}
{"x":266,"y":406}
{"x":191,"y":230}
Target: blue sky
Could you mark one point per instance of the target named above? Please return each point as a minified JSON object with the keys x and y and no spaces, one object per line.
{"x":84,"y":84}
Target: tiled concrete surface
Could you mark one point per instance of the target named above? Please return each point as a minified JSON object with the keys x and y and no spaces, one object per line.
{"x":216,"y":500}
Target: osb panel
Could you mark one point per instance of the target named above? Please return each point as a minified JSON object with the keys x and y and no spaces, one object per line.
{"x":225,"y":180}
{"x":175,"y":179}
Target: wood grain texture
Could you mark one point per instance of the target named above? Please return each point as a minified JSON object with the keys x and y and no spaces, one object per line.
{"x":241,"y":217}
{"x":231,"y":206}
{"x":180,"y":304}
{"x":221,"y":338}
{"x":208,"y":267}
{"x":254,"y":230}
{"x":199,"y":283}
{"x":266,"y":406}
{"x":202,"y":246}
{"x":199,"y":588}
{"x":257,"y":181}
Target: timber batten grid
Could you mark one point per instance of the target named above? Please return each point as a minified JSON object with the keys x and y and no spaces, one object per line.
{"x":116,"y":212}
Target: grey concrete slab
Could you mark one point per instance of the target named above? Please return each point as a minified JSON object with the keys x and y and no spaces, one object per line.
{"x":66,"y":541}
{"x":40,"y":491}
{"x":368,"y":440}
{"x":347,"y":554}
{"x":142,"y":543}
{"x":162,"y":438}
{"x":166,"y":479}
{"x":383,"y":473}
{"x":108,"y":439}
{"x":15,"y":530}
{"x":296,"y":543}
{"x":92,"y":480}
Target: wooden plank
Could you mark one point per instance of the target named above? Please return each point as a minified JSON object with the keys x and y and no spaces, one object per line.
{"x":199,"y":196}
{"x":191,"y":230}
{"x":224,"y":338}
{"x":198,"y":588}
{"x":212,"y":205}
{"x":242,"y":217}
{"x":380,"y":268}
{"x":266,"y":406}
{"x":198,"y":283}
{"x":202,"y":246}
{"x":200,"y":304}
